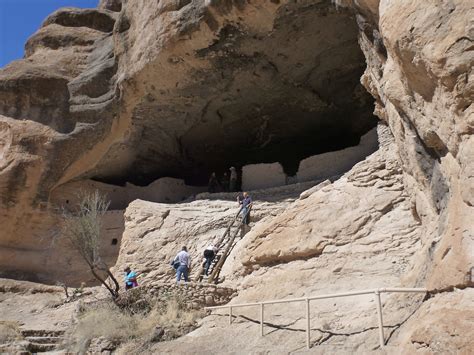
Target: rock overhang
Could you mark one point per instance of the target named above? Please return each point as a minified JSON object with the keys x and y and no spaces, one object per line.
{"x":249,"y":95}
{"x":179,"y":101}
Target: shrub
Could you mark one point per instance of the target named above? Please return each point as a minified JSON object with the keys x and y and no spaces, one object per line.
{"x":82,"y":226}
{"x":124,"y":326}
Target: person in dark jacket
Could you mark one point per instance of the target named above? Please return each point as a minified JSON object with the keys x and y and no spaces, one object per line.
{"x":213,"y":184}
{"x":233,"y":179}
{"x":225,"y":182}
{"x":246,"y":201}
{"x":209,"y":255}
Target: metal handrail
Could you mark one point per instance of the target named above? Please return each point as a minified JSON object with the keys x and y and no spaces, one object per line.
{"x":377,"y":292}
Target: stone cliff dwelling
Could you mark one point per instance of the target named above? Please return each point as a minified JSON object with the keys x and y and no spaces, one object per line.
{"x":281,"y":111}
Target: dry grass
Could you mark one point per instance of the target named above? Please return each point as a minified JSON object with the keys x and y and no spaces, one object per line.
{"x":9,"y":331}
{"x":108,"y":320}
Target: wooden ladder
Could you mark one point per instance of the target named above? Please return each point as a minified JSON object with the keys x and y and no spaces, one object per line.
{"x":226,"y":243}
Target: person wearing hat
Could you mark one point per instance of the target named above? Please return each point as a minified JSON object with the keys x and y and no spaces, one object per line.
{"x":233,"y":179}
{"x":130,"y":278}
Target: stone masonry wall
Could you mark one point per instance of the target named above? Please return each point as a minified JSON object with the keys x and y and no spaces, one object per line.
{"x":322,"y":166}
{"x":195,"y":295}
{"x":166,"y":190}
{"x":261,"y":176}
{"x":113,"y":225}
{"x":316,"y":167}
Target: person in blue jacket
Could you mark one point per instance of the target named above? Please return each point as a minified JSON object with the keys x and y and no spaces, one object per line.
{"x":130,"y":278}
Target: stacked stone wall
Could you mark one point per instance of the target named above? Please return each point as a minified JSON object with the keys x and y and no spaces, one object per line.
{"x":316,"y":167}
{"x":164,"y":190}
{"x":195,"y":295}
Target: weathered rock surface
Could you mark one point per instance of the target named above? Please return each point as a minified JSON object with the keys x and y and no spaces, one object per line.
{"x":420,"y":70}
{"x":356,"y":233}
{"x":136,"y":90}
{"x":42,"y":99}
{"x":154,"y":233}
{"x":443,"y":324}
{"x":140,"y":90}
{"x":359,"y":232}
{"x":34,"y":306}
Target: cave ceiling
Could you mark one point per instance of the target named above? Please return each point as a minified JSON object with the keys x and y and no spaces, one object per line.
{"x":281,"y":96}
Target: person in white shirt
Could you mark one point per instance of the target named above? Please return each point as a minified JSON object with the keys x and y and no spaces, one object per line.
{"x":184,"y":264}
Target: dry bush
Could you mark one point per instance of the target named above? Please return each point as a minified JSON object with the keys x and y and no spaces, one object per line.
{"x":136,"y":300}
{"x":173,"y":317}
{"x":9,"y":331}
{"x":82,"y":226}
{"x":120,"y":325}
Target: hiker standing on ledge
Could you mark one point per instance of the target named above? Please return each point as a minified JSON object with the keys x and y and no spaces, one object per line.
{"x":213,"y":184}
{"x":246,"y":201}
{"x":225,"y":182}
{"x":233,"y":179}
{"x":184,"y":261}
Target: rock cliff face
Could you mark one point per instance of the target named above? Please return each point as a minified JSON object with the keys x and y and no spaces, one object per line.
{"x":169,"y":89}
{"x":420,"y":70}
{"x":137,"y":90}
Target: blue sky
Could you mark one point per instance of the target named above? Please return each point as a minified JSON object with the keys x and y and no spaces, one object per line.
{"x":19,"y":19}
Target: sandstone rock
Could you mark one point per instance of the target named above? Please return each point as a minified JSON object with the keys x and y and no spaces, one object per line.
{"x":154,"y":234}
{"x":41,"y":311}
{"x":102,"y":345}
{"x":35,"y":117}
{"x":418,"y":75}
{"x":112,"y":5}
{"x":309,"y":192}
{"x":177,"y":87}
{"x":90,"y":18}
{"x":444,"y":323}
{"x":379,"y":245}
{"x":209,"y":300}
{"x":115,"y":105}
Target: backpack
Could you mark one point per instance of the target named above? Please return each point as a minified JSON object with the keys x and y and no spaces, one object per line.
{"x":175,"y":264}
{"x":208,"y":253}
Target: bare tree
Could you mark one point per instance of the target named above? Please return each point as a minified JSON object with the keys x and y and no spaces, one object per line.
{"x":82,"y":226}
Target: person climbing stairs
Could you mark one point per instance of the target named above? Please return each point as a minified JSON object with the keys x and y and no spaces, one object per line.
{"x":224,"y":247}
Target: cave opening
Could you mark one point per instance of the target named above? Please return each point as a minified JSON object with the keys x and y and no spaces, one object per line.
{"x":280,"y":97}
{"x":288,"y":151}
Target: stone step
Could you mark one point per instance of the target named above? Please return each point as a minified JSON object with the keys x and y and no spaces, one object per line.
{"x":40,"y":348}
{"x":41,"y":333}
{"x":44,"y":340}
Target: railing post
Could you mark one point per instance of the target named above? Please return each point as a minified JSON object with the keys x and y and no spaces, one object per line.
{"x":379,"y":312}
{"x":308,"y":324}
{"x":378,"y":302}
